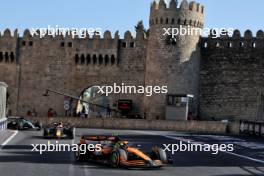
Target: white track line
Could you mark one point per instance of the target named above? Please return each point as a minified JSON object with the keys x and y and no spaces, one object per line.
{"x":246,"y":157}
{"x":9,"y":139}
{"x":231,"y":153}
{"x":186,"y":140}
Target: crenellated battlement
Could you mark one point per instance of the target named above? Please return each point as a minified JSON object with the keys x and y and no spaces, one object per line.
{"x":7,"y":33}
{"x":95,"y":41}
{"x":173,"y":5}
{"x":236,"y":40}
{"x":186,"y":13}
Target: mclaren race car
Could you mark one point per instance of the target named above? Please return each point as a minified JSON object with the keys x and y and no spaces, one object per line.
{"x":117,"y":153}
{"x":59,"y":130}
{"x":19,"y":123}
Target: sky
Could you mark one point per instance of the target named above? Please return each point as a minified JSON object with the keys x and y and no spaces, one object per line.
{"x":121,"y":15}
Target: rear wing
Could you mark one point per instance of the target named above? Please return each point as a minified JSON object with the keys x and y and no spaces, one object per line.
{"x":99,"y":138}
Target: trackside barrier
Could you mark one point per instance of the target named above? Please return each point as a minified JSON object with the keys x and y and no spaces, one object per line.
{"x":251,"y":128}
{"x":212,"y":127}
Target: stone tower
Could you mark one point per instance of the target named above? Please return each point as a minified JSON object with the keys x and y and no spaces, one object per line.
{"x":173,"y":62}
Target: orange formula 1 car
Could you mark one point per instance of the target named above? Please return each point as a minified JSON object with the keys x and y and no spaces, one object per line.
{"x":118,"y":153}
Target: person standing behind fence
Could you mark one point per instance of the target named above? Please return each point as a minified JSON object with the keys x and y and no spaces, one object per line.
{"x":108,"y":111}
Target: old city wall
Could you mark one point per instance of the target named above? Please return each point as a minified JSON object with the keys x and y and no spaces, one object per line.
{"x":175,"y":65}
{"x":69,"y":65}
{"x":232,"y":70}
{"x":9,"y":66}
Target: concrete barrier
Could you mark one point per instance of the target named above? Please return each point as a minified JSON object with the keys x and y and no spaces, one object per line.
{"x":211,"y":127}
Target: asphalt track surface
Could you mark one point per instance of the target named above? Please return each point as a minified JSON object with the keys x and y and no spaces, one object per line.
{"x":16,"y":157}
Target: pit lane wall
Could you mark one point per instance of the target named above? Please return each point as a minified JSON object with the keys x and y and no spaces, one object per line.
{"x":3,"y":88}
{"x":211,"y":127}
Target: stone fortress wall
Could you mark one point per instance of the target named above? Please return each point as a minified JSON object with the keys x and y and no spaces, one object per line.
{"x":224,"y":74}
{"x":232,"y":72}
{"x":30,"y":65}
{"x":174,"y":65}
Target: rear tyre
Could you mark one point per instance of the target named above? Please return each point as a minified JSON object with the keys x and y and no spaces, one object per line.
{"x":159,"y":154}
{"x":80,"y":157}
{"x":115,"y":159}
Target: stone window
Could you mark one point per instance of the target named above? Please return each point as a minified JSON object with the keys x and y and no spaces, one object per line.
{"x":70,"y":44}
{"x":190,"y":22}
{"x":172,"y":21}
{"x":76,"y":59}
{"x":157,"y":21}
{"x":1,"y":57}
{"x":167,"y":20}
{"x":185,"y":22}
{"x":82,"y":59}
{"x":241,"y":44}
{"x":179,"y":21}
{"x":253,"y":45}
{"x":23,"y":43}
{"x":112,"y":59}
{"x":230,"y":44}
{"x":217,"y":44}
{"x":106,"y":59}
{"x":12,"y":57}
{"x":171,"y":40}
{"x":132,"y":44}
{"x":94,"y":59}
{"x":100,"y":59}
{"x":62,"y":44}
{"x":88,"y":59}
{"x":31,"y":43}
{"x":6,"y":57}
{"x":124,"y":44}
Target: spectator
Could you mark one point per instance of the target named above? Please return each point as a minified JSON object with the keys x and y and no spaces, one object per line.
{"x":50,"y":113}
{"x":108,"y":111}
{"x":29,"y":114}
{"x":54,"y":113}
{"x":83,"y":112}
{"x":34,"y":113}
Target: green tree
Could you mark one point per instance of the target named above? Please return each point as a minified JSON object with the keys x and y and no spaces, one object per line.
{"x":140,"y":27}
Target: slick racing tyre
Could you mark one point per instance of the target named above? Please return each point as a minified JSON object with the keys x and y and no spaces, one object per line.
{"x":159,"y":154}
{"x":117,"y":157}
{"x":80,"y":157}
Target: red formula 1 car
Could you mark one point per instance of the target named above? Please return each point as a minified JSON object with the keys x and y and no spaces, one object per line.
{"x":118,"y":153}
